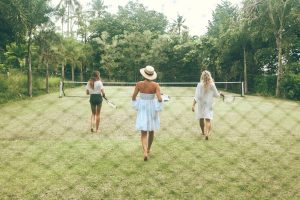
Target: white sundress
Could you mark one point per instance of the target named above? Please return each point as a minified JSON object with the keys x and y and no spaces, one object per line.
{"x":204,"y":99}
{"x":147,"y":112}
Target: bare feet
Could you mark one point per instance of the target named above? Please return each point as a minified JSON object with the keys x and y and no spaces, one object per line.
{"x":145,"y":155}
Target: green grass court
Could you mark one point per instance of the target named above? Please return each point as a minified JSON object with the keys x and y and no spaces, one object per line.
{"x":48,"y":152}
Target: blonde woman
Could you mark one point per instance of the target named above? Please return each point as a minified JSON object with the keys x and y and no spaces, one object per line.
{"x":95,"y":89}
{"x":204,"y":94}
{"x":147,"y":107}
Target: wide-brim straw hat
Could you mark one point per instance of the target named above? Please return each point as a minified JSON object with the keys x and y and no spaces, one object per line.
{"x":148,"y":72}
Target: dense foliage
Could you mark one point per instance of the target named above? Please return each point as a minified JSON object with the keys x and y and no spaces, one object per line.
{"x":257,"y":43}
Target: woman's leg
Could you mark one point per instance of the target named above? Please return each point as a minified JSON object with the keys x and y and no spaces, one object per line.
{"x":201,"y":122}
{"x":98,"y":110}
{"x":144,"y":144}
{"x":150,"y":140}
{"x":207,"y":128}
{"x":93,"y":108}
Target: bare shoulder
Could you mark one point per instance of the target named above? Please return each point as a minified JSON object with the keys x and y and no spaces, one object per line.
{"x":138,"y":84}
{"x":155,"y":84}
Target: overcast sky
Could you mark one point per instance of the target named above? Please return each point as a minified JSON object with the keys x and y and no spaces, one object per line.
{"x":195,"y":12}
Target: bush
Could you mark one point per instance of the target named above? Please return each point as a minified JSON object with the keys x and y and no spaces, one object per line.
{"x":14,"y":87}
{"x":264,"y":85}
{"x":290,"y":87}
{"x":3,"y":84}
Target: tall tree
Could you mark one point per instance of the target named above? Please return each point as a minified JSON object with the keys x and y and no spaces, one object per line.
{"x":36,"y":12}
{"x":273,"y":17}
{"x":60,"y":14}
{"x":70,"y":6}
{"x":72,"y":53}
{"x":136,"y":18}
{"x":242,"y":36}
{"x":220,"y":30}
{"x":45,"y":40}
{"x":178,"y":26}
{"x":12,"y":26}
{"x":277,"y":14}
{"x":82,"y":24}
{"x":98,"y":8}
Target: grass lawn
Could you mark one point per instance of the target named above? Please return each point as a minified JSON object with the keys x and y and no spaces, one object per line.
{"x":48,"y":152}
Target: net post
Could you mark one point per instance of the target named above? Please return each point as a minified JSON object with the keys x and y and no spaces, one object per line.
{"x":243,"y":89}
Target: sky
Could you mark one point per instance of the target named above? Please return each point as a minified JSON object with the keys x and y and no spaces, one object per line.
{"x":196,"y":13}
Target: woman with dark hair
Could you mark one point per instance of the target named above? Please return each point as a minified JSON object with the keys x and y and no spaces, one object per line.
{"x":205,"y":92}
{"x":95,"y":89}
{"x":147,"y":107}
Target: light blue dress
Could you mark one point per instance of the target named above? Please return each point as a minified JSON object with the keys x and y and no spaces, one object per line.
{"x":147,"y":112}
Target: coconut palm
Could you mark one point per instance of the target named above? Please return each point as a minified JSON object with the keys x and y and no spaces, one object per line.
{"x":70,"y":6}
{"x":178,"y":25}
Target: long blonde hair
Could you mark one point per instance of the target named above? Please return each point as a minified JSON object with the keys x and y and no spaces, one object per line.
{"x":206,"y":79}
{"x":95,"y":77}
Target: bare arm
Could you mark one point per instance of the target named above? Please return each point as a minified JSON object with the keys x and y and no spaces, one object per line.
{"x":158,"y":93}
{"x":103,"y":93}
{"x":193,"y":106}
{"x":87,"y":90}
{"x":216,"y":93}
{"x":196,"y":97}
{"x":135,"y":92}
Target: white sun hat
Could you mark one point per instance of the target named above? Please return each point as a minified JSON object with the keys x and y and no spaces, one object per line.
{"x":148,"y":72}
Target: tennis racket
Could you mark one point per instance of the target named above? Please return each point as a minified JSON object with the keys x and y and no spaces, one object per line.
{"x":110,"y":103}
{"x":228,"y":98}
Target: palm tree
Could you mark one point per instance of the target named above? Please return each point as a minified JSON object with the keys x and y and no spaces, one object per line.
{"x":178,"y":25}
{"x":45,"y":40}
{"x":35,"y":13}
{"x":60,"y":13}
{"x":70,"y":6}
{"x":98,"y":8}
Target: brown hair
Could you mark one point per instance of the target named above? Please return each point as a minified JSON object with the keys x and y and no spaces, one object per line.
{"x":95,"y":77}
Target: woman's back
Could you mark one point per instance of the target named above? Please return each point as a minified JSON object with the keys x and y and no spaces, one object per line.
{"x":98,"y":85}
{"x":147,"y":87}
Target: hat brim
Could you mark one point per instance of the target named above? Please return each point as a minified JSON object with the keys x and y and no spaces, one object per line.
{"x":146,"y":76}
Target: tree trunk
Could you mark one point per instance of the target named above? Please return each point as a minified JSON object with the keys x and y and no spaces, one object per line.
{"x":279,"y":70}
{"x":56,"y":69}
{"x":29,"y":64}
{"x":68,"y":28}
{"x":62,"y":26}
{"x":278,"y":37}
{"x":62,"y":71}
{"x":81,"y":73}
{"x":72,"y":72}
{"x":47,"y":77}
{"x":245,"y":71}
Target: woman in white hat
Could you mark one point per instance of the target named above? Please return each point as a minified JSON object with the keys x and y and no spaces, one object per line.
{"x":147,"y":107}
{"x":204,"y":94}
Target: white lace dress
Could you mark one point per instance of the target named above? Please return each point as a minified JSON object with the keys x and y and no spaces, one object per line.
{"x":205,"y":99}
{"x":147,"y":112}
